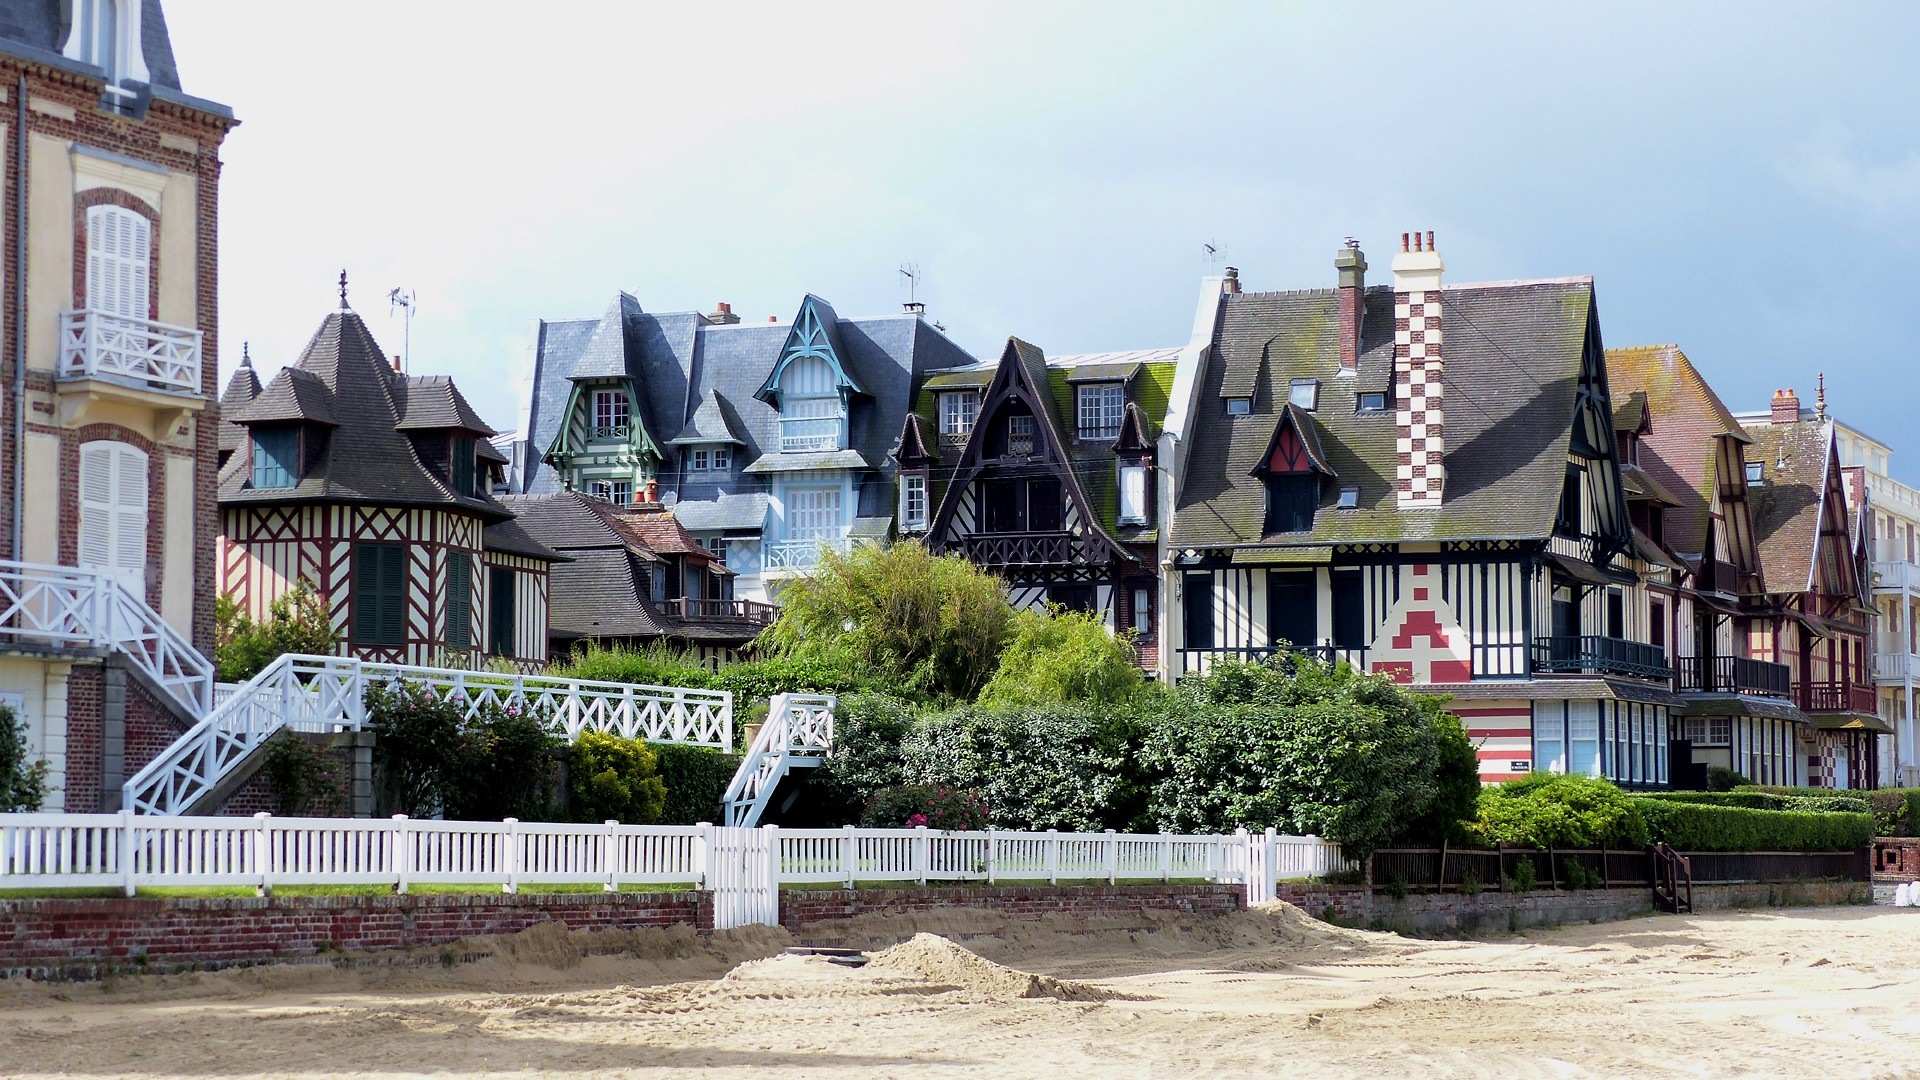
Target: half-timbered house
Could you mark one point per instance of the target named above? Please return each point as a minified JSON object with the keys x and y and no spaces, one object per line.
{"x":1042,"y":471}
{"x":374,"y":486}
{"x":1422,"y":480}
{"x":770,"y":440}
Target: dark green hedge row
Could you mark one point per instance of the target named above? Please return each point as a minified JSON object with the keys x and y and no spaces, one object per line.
{"x":1818,"y":802}
{"x":696,"y":779}
{"x":1693,"y":826}
{"x":1896,"y":811}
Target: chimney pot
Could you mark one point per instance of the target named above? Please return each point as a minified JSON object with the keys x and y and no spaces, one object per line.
{"x":1403,"y":243}
{"x":1786,"y":407}
{"x":1230,"y":285}
{"x":396,"y":361}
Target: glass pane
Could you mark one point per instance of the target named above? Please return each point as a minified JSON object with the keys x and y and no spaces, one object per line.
{"x":1584,"y":737}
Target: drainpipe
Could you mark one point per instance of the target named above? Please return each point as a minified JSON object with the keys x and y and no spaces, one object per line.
{"x":19,"y":319}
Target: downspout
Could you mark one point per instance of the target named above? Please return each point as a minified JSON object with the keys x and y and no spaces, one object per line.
{"x":19,"y":320}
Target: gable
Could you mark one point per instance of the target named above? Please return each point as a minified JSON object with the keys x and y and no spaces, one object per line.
{"x":814,"y":337}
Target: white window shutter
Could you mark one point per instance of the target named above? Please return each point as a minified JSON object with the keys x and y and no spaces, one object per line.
{"x":119,"y":261}
{"x":113,"y":509}
{"x":96,"y":505}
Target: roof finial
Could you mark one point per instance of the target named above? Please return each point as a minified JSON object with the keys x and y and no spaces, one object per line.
{"x":1820,"y":399}
{"x":343,"y":289}
{"x":246,"y":354}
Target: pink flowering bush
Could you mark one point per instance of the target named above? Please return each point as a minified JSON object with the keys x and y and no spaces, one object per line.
{"x":930,"y":806}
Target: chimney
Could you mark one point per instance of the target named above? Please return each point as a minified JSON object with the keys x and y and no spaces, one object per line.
{"x":1418,"y":373}
{"x":914,"y":307}
{"x":723,"y":314}
{"x":1786,"y":407}
{"x":396,"y":361}
{"x":1231,"y":286}
{"x":1352,"y":267}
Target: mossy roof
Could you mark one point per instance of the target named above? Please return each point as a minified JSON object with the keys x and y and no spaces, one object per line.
{"x":1684,"y":416}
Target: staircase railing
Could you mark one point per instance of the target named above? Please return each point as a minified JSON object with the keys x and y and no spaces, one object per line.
{"x":798,"y":734}
{"x":1672,"y":880}
{"x":73,"y":607}
{"x":328,"y":693}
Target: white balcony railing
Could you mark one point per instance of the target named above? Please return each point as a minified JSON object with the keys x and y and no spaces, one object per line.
{"x":95,"y":344}
{"x":1896,"y":574}
{"x":811,"y":433}
{"x":1894,"y":667}
{"x":803,"y":554}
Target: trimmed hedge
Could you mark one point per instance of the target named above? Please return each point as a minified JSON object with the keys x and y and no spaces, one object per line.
{"x":696,"y":779}
{"x":1695,"y":826}
{"x":1896,"y":811}
{"x":1755,"y":799}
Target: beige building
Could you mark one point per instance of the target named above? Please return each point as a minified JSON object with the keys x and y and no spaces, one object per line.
{"x":1894,"y":547}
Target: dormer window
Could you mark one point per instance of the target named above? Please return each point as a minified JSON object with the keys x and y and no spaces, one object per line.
{"x":813,"y":413}
{"x":617,"y":492}
{"x":913,"y":502}
{"x":1291,"y":472}
{"x":1370,"y":403}
{"x":1305,"y":393}
{"x":610,"y":414}
{"x":1291,"y":501}
{"x":957,"y":412}
{"x":710,"y":459}
{"x":275,"y":457}
{"x":1756,"y":473}
{"x":1100,"y":406}
{"x":106,"y":34}
{"x":1239,"y":406}
{"x":1133,"y":494}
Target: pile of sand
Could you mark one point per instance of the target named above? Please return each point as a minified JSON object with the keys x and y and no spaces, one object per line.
{"x":940,"y":961}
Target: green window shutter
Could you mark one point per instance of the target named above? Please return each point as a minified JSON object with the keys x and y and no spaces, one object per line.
{"x":393,"y":597}
{"x":379,"y":594}
{"x":461,"y":467}
{"x":459,"y":631}
{"x":500,"y":617}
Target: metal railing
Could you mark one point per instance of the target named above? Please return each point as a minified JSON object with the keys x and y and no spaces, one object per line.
{"x":96,"y":343}
{"x":1596,"y":654}
{"x":1200,"y":661}
{"x":76,"y":608}
{"x":1732,"y":675}
{"x":801,"y":554}
{"x":748,"y":610}
{"x":328,"y":693}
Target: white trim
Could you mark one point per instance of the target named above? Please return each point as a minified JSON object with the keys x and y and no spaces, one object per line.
{"x":94,"y":168}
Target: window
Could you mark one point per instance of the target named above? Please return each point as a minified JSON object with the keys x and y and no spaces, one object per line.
{"x":99,"y":35}
{"x":1657,"y":623}
{"x":501,"y":613}
{"x":379,"y":594}
{"x":460,"y":467}
{"x":113,"y":511}
{"x":1371,"y":403}
{"x":814,"y":513}
{"x":1290,"y":608}
{"x":1196,"y":609}
{"x":1133,"y":495}
{"x":610,"y":417}
{"x":699,"y":461}
{"x":1291,"y":501}
{"x":1550,"y":739}
{"x":812,"y":414}
{"x":1756,"y":473}
{"x":119,"y":262}
{"x":1349,"y":609}
{"x":1569,"y":519}
{"x":1100,"y":406}
{"x":617,"y":492}
{"x":1239,"y":406}
{"x":722,"y":458}
{"x":1349,"y":498}
{"x":913,"y":503}
{"x":1708,"y":730}
{"x":1071,"y":597}
{"x":1305,"y":393}
{"x":956,"y":416}
{"x":1143,"y":614}
{"x":1616,"y":614}
{"x":1583,"y":737}
{"x":275,"y":460}
{"x":1011,"y":506}
{"x":458,"y":632}
{"x":1020,"y":434}
{"x":719,"y":549}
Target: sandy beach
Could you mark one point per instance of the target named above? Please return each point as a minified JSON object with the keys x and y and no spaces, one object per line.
{"x":969,"y":993}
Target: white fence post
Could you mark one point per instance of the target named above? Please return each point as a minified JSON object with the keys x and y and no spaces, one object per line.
{"x":922,"y":845}
{"x":1053,"y":857}
{"x":1244,"y":845}
{"x":849,"y":853}
{"x":1269,"y":868}
{"x":993,"y":855}
{"x":402,"y":854}
{"x":769,"y":899}
{"x":1112,"y":857}
{"x":702,"y":855}
{"x":511,"y":860}
{"x":129,"y":848}
{"x":262,"y":853}
{"x":610,"y":856}
{"x":1166,"y":858}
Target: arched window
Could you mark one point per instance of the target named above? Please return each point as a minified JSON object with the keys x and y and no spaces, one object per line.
{"x":812,"y":414}
{"x":113,"y":510}
{"x":119,"y":261}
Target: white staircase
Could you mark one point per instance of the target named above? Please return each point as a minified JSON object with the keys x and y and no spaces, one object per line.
{"x":797,"y":735}
{"x":73,"y":608}
{"x":328,"y":693}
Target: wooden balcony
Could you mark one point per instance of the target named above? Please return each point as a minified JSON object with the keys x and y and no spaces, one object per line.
{"x":750,"y":611}
{"x":153,"y":355}
{"x":1733,"y":675}
{"x":1024,"y":549}
{"x":1594,"y":654}
{"x":1842,"y":696}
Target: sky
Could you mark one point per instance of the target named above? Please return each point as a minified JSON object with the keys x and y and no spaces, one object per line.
{"x":1742,"y":179}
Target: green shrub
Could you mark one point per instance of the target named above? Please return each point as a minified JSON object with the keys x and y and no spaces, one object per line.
{"x":1524,"y":875}
{"x":1470,"y":884}
{"x":654,"y":664}
{"x":1456,"y":798}
{"x":1689,"y":826}
{"x":868,"y":730}
{"x":297,"y":622}
{"x":1057,"y":657}
{"x":1752,"y":798}
{"x":1555,"y":810}
{"x":614,"y":779}
{"x":303,"y":778}
{"x":696,"y":779}
{"x":23,"y":782}
{"x":931,"y":806}
{"x":1721,"y":778}
{"x":433,"y":759}
{"x":1037,"y":768}
{"x":915,"y":623}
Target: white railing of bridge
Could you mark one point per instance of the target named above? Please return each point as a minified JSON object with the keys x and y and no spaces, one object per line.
{"x":95,"y":343}
{"x":798,"y":733}
{"x":328,"y":693}
{"x":744,"y":867}
{"x":76,"y":608}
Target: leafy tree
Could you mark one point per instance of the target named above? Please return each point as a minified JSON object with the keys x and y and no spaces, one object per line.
{"x":615,"y":779}
{"x":23,"y":782}
{"x":297,"y":622}
{"x":1057,"y":656}
{"x":917,"y":623}
{"x":1456,"y":797}
{"x":435,"y":759}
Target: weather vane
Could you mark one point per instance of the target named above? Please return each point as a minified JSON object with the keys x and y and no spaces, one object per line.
{"x":343,"y":289}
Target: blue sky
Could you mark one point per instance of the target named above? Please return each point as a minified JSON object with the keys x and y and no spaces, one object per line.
{"x":1743,"y":179}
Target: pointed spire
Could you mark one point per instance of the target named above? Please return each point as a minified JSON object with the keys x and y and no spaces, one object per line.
{"x":343,"y":290}
{"x":1820,"y":399}
{"x":246,"y":354}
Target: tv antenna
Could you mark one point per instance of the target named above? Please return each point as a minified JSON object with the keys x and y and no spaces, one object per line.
{"x":1213,"y":253}
{"x":407,"y":301}
{"x":911,"y":272}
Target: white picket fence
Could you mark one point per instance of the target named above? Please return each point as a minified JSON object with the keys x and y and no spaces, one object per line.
{"x":744,"y":868}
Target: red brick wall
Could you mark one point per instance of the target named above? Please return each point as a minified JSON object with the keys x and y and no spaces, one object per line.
{"x":1896,"y":859}
{"x":86,"y":937}
{"x":84,"y":700}
{"x":799,"y":908}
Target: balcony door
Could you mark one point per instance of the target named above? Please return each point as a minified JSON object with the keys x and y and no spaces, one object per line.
{"x":1290,"y":608}
{"x":1566,"y":623}
{"x":119,"y":261}
{"x":814,"y":514}
{"x":113,"y":511}
{"x":1028,"y":505}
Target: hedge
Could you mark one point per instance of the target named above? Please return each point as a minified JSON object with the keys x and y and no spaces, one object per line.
{"x":1694,"y":826}
{"x":696,"y":779}
{"x":1818,"y":802}
{"x":1896,"y":811}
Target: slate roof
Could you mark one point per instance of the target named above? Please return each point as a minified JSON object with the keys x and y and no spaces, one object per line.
{"x":1786,"y":508}
{"x":365,"y":459}
{"x":508,"y":537}
{"x":292,"y":395}
{"x":728,"y":512}
{"x":1513,"y":361}
{"x":44,"y":25}
{"x":1685,"y":416}
{"x":432,"y":402}
{"x":708,"y":424}
{"x":242,"y":388}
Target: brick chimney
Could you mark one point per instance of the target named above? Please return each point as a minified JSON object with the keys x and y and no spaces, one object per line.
{"x":1231,"y":285}
{"x":723,"y":314}
{"x":1418,"y":373}
{"x":1352,"y":266}
{"x":1786,"y":407}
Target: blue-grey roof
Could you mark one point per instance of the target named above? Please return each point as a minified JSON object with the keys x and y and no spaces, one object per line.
{"x":43,"y":26}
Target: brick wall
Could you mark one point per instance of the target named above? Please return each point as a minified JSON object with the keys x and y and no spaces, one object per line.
{"x":801,"y":907}
{"x":92,"y":937}
{"x":1896,"y":859}
{"x":85,"y":697}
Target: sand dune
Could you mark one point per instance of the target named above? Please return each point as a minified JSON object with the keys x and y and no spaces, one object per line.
{"x":970,"y":993}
